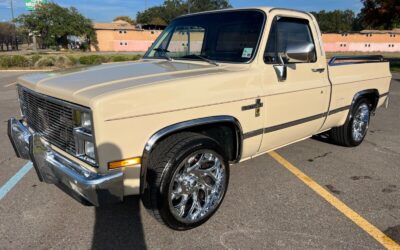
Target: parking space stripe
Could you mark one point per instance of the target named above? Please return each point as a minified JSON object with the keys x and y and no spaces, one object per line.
{"x":8,"y":85}
{"x":14,"y":180}
{"x":338,"y":204}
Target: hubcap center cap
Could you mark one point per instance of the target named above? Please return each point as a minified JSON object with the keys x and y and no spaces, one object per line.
{"x":189,"y":183}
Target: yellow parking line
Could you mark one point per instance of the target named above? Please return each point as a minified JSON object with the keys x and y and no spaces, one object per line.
{"x":339,"y":205}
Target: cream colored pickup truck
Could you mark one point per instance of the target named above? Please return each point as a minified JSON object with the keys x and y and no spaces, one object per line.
{"x":216,"y":88}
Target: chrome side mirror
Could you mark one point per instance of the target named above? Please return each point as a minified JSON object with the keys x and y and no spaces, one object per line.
{"x":300,"y":52}
{"x":296,"y":52}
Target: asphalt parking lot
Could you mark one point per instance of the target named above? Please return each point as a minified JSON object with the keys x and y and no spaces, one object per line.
{"x":266,"y":206}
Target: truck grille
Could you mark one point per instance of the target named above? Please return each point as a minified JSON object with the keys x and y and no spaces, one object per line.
{"x":48,"y":117}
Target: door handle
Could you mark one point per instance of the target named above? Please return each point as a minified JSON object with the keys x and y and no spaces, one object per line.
{"x":320,"y":70}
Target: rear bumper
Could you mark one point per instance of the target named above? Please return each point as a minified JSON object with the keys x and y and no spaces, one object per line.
{"x":53,"y":168}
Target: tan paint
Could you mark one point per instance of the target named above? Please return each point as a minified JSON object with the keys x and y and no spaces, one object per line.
{"x":132,"y":101}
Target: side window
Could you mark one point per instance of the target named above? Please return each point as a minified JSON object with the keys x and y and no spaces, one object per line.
{"x":286,"y":31}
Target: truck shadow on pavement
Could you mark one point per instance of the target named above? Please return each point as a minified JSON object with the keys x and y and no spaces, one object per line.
{"x":119,"y":226}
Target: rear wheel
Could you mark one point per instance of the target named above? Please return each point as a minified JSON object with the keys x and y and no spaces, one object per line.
{"x":353,"y":132}
{"x":188,"y":177}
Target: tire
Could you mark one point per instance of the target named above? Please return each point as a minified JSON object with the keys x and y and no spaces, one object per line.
{"x":188,"y":175}
{"x":353,"y":132}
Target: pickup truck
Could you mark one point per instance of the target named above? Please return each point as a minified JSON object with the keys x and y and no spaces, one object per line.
{"x":216,"y":88}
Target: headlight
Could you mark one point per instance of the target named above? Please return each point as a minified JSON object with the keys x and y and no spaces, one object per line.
{"x":89,"y":149}
{"x":86,"y":121}
{"x":84,"y":141}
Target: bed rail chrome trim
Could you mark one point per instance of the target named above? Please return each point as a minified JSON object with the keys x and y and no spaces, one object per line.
{"x":358,"y":59}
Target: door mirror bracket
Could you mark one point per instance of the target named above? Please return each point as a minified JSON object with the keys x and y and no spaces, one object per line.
{"x":281,"y":69}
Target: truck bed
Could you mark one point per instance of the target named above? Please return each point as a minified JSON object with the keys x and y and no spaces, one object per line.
{"x":350,"y":75}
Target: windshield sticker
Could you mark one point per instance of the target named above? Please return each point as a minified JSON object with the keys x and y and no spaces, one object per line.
{"x":247,"y":52}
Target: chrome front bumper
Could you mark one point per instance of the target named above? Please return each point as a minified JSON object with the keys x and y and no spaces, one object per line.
{"x":53,"y":168}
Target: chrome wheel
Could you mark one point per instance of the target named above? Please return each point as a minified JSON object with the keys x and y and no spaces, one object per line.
{"x":197,"y":186}
{"x":360,"y":122}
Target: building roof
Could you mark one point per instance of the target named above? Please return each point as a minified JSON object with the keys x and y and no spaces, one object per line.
{"x":393,"y":31}
{"x":117,"y":25}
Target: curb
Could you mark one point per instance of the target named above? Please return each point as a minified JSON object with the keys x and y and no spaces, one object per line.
{"x":25,"y":70}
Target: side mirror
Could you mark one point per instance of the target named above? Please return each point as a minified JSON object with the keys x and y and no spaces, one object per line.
{"x":296,"y":52}
{"x":300,"y":52}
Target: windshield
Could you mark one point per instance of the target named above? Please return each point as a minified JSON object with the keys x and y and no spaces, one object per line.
{"x":229,"y":36}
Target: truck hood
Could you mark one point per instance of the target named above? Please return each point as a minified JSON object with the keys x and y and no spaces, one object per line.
{"x":83,"y":84}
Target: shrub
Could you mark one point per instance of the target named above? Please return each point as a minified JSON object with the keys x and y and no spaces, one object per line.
{"x":3,"y":62}
{"x":136,"y":57}
{"x":45,"y":62}
{"x":119,"y":58}
{"x":73,"y":59}
{"x":92,"y":59}
{"x":35,"y":58}
{"x":63,"y":62}
{"x":14,"y":61}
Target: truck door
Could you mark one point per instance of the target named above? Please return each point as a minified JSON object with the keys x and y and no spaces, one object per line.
{"x":295,"y":105}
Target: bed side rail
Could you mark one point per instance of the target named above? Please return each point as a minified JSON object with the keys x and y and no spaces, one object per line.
{"x":344,"y":60}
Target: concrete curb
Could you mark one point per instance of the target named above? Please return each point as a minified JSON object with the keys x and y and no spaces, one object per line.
{"x":25,"y":70}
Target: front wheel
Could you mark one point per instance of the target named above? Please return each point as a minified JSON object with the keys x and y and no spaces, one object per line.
{"x":353,"y":132}
{"x":188,"y":177}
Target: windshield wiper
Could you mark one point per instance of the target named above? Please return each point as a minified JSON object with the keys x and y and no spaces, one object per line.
{"x":204,"y":59}
{"x":164,"y":53}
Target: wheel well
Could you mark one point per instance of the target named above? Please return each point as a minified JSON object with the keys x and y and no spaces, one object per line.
{"x":371,"y":95}
{"x":225,"y":133}
{"x":226,"y":130}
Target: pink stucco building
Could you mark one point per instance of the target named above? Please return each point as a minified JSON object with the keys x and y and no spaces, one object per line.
{"x":365,"y":41}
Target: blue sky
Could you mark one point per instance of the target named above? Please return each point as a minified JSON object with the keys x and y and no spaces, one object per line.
{"x":106,"y":10}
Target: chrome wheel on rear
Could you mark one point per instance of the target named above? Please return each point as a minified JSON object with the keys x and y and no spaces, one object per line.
{"x":360,"y":122}
{"x":197,"y":186}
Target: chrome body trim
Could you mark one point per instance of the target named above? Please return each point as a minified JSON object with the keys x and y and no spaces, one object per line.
{"x":51,"y":167}
{"x":359,"y":59}
{"x":185,"y":125}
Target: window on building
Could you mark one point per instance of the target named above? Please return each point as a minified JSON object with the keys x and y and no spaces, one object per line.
{"x":126,"y":44}
{"x":120,"y":31}
{"x":121,"y":44}
{"x":124,"y":31}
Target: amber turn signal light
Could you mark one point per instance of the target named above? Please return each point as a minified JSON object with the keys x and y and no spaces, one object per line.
{"x":124,"y":163}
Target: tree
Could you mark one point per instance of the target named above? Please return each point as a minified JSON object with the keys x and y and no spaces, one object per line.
{"x":55,"y":24}
{"x":380,"y":14}
{"x":126,"y":19}
{"x":171,"y":9}
{"x":7,"y":38}
{"x":336,"y":21}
